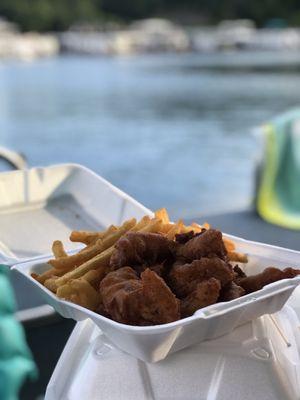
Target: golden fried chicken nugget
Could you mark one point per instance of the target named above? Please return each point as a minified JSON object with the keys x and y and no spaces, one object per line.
{"x":139,"y":248}
{"x":231,"y":291}
{"x":134,"y":301}
{"x":209,"y":243}
{"x":205,"y":294}
{"x":183,"y":278}
{"x":269,"y":275}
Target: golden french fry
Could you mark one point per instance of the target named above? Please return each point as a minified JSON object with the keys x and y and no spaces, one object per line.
{"x":51,"y":284}
{"x":166,"y":227}
{"x":163,"y":215}
{"x":63,"y":266}
{"x":238,"y":257}
{"x":112,"y":238}
{"x":85,"y":237}
{"x":109,"y":230}
{"x":230,"y":246}
{"x":94,"y":276}
{"x":76,"y":278}
{"x":88,"y":237}
{"x":186,"y":229}
{"x":196,"y":227}
{"x":49,"y":274}
{"x":58,"y":249}
{"x":79,"y":258}
{"x":176,"y":228}
{"x":99,"y":261}
{"x":141,"y":224}
{"x":153,"y":226}
{"x":102,"y":260}
{"x":79,"y":291}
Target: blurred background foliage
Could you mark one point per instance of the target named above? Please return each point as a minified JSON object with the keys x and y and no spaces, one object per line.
{"x":58,"y":15}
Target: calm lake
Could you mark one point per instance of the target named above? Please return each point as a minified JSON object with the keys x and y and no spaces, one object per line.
{"x":171,"y":130}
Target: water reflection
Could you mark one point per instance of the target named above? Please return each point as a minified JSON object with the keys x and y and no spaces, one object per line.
{"x":169,"y":130}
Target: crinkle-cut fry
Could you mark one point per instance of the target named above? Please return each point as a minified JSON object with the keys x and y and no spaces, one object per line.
{"x":176,"y":228}
{"x":238,"y":257}
{"x":58,"y":249}
{"x":163,"y":215}
{"x":229,"y":244}
{"x":206,"y":225}
{"x":89,"y":237}
{"x":81,"y":292}
{"x":79,"y":258}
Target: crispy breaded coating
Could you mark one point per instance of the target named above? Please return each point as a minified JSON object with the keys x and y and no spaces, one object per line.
{"x":269,"y":275}
{"x":238,"y":272}
{"x":205,"y":294}
{"x":231,"y":291}
{"x":158,"y":305}
{"x":137,"y":248}
{"x":182,"y":238}
{"x":159,"y":269}
{"x":183,"y":278}
{"x":134,"y":301}
{"x":206,"y":244}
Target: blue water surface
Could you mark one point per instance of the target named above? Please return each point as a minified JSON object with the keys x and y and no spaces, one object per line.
{"x":171,"y":130}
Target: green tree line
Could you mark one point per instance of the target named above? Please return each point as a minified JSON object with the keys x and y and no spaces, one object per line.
{"x":57,"y":15}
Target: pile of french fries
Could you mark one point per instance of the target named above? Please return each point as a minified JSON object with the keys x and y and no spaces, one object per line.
{"x":76,"y":277}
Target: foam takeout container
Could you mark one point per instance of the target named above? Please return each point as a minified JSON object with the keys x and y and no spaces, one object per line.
{"x":41,"y":204}
{"x":258,"y":360}
{"x":59,"y":199}
{"x":154,"y":343}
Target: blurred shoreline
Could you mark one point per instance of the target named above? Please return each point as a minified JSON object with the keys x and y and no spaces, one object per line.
{"x":25,"y":46}
{"x":146,"y":36}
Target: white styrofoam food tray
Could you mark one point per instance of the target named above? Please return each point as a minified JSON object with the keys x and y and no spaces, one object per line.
{"x":258,"y":360}
{"x":154,"y":343}
{"x":42,"y":204}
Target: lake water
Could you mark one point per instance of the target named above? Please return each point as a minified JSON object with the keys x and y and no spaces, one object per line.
{"x":171,"y":130}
